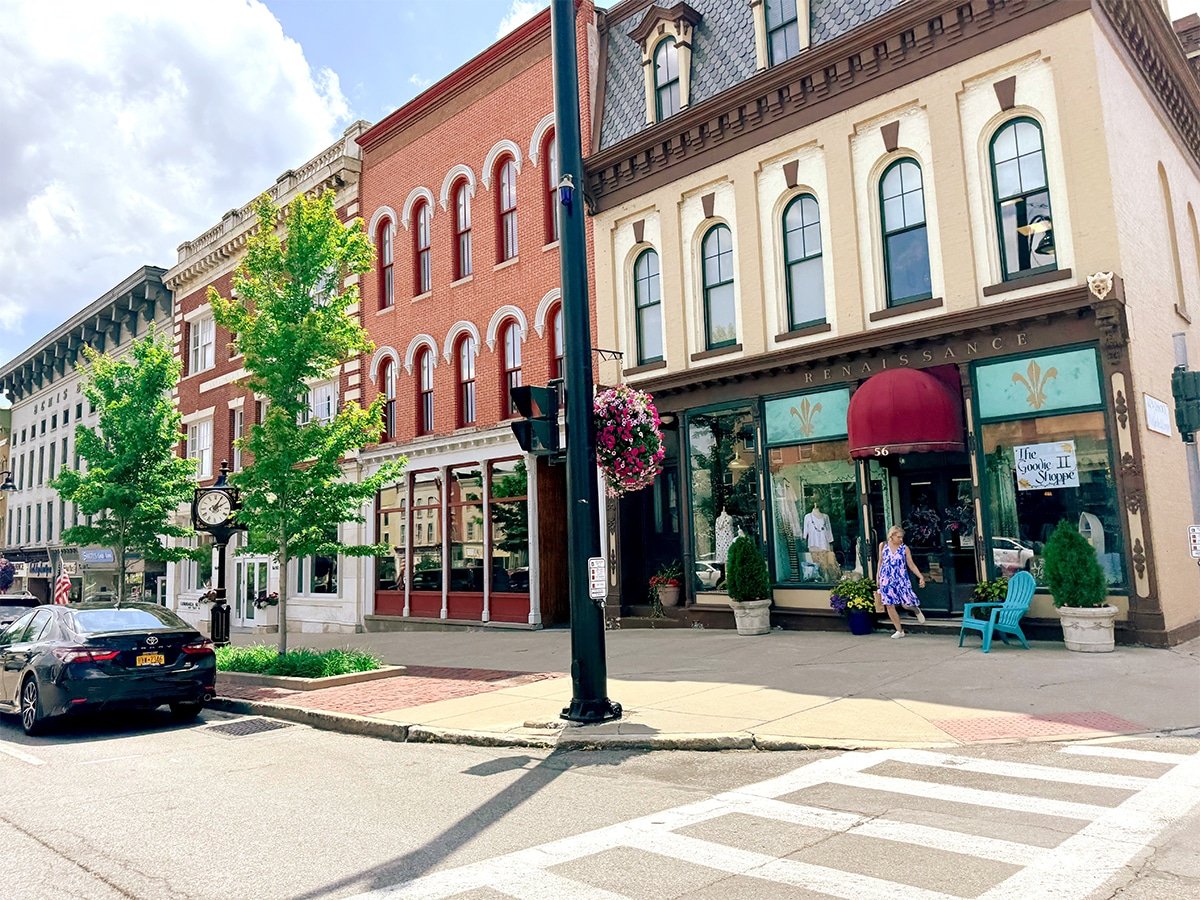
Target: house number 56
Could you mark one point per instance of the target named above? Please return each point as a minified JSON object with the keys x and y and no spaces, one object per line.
{"x":882,"y":451}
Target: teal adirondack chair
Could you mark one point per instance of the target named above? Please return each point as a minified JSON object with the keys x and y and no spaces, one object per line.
{"x":1005,"y":618}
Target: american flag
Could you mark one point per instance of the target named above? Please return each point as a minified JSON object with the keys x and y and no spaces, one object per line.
{"x":62,"y":589}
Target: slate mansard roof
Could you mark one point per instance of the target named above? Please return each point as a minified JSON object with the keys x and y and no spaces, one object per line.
{"x":722,"y":54}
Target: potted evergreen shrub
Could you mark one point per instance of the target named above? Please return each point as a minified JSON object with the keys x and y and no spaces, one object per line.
{"x":1077,"y":582}
{"x":749,"y":586}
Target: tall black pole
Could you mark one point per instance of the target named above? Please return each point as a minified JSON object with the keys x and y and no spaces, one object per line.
{"x":589,"y":673}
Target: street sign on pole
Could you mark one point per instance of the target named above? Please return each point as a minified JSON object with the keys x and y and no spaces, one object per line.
{"x":589,"y":669}
{"x":1194,"y":540}
{"x":597,"y":583}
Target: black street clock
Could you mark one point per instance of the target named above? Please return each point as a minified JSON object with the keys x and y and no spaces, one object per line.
{"x":213,"y":508}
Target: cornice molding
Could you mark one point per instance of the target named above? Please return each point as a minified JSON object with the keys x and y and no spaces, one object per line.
{"x":1159,"y":56}
{"x":898,"y":48}
{"x":337,"y":167}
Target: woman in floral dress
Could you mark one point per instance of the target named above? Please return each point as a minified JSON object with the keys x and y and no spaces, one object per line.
{"x":894,"y":587}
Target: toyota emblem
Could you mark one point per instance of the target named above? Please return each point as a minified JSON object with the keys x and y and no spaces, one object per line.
{"x":151,"y":641}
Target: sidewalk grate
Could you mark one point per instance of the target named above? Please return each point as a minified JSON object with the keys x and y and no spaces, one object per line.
{"x":245,"y":727}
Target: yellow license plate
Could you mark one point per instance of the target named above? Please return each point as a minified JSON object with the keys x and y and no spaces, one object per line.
{"x":151,"y":659}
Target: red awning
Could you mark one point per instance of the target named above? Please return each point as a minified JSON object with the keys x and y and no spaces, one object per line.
{"x":904,"y":411}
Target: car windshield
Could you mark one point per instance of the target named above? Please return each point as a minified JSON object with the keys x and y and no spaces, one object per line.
{"x":93,"y":621}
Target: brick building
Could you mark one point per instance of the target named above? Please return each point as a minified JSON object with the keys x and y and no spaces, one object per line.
{"x":217,"y":408}
{"x":458,"y":187}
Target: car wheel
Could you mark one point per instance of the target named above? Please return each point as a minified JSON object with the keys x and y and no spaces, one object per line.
{"x":186,"y":712}
{"x":31,"y":708}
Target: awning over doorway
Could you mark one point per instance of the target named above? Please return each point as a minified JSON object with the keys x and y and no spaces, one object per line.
{"x":905,"y":411}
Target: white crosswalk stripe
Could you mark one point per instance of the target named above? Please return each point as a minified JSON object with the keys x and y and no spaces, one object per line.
{"x":1078,"y":865}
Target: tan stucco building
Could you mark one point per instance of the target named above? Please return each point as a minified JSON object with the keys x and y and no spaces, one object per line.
{"x":862,"y":256}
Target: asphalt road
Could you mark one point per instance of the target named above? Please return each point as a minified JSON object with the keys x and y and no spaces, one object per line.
{"x":143,"y":808}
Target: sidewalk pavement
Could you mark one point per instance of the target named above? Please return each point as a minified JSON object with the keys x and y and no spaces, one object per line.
{"x":699,"y":689}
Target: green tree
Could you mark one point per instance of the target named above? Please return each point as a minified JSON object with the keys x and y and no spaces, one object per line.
{"x":289,"y":316}
{"x":134,"y":481}
{"x":511,"y":520}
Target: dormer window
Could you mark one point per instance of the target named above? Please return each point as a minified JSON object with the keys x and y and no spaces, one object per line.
{"x":780,"y":30}
{"x":665,"y":36}
{"x":666,"y":79}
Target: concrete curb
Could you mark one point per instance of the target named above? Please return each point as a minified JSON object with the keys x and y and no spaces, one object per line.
{"x":576,"y":738}
{"x":288,"y":682}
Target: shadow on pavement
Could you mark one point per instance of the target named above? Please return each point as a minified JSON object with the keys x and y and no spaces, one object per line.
{"x":101,"y":727}
{"x":428,"y":856}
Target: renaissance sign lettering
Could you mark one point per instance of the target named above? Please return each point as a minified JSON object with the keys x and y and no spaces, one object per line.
{"x":946,"y":353}
{"x":1046,"y":466}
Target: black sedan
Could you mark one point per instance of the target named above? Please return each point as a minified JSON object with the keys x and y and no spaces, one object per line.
{"x":57,"y":660}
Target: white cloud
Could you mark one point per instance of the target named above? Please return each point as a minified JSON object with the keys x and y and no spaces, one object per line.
{"x":419,"y":81}
{"x":520,"y":12}
{"x":130,"y":127}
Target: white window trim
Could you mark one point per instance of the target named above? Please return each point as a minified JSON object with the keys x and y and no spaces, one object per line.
{"x":195,"y":429}
{"x":202,"y":354}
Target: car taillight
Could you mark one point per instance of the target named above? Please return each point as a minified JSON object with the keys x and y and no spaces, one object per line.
{"x":198,"y":647}
{"x":84,"y":655}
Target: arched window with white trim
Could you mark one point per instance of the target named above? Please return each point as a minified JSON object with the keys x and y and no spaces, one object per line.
{"x":511,"y":366}
{"x":462,"y":230}
{"x":465,"y":371}
{"x":387,"y":283}
{"x":506,"y":210}
{"x":720,"y":309}
{"x":422,"y":262}
{"x":1022,"y":194}
{"x":387,"y":387}
{"x":803,"y":265}
{"x":647,"y":304}
{"x":425,"y":391}
{"x":905,"y":233}
{"x":666,"y":79}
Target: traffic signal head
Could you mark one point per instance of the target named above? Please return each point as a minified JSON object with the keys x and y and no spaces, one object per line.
{"x":537,"y":429}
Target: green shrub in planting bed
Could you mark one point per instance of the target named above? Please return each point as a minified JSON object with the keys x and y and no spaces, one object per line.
{"x":261,"y":659}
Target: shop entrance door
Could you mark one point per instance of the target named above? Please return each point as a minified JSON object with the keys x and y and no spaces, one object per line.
{"x":250,"y":583}
{"x":936,"y":509}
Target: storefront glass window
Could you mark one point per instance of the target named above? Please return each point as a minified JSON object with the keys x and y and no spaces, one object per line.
{"x":427,"y":544}
{"x":814,"y":508}
{"x":392,"y":526}
{"x":723,"y":465}
{"x":1026,"y":501}
{"x":509,"y":512}
{"x":466,"y":530}
{"x":813,"y":488}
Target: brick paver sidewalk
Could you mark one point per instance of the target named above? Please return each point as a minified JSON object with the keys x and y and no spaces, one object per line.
{"x":419,"y":685}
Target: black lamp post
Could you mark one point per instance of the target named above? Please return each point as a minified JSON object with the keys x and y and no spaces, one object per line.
{"x":7,"y":485}
{"x":589,"y":675}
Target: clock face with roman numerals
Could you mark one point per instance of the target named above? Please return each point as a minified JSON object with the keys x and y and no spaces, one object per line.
{"x":214,"y":508}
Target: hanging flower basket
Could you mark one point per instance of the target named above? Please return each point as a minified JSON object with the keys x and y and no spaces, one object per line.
{"x":629,"y":442}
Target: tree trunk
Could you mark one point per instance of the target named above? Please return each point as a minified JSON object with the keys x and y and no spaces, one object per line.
{"x":120,"y":575}
{"x":283,"y":594}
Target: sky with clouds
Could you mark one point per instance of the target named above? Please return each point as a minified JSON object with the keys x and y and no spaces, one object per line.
{"x":130,"y":126}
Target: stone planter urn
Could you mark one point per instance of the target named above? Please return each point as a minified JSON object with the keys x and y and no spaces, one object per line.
{"x":1088,"y":629}
{"x":669,"y":595}
{"x":752,"y":616}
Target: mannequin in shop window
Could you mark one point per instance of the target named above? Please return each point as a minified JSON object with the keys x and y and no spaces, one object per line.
{"x":726,"y":534}
{"x":818,"y":535}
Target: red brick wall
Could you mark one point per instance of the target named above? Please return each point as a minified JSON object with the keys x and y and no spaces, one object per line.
{"x":462,"y":130}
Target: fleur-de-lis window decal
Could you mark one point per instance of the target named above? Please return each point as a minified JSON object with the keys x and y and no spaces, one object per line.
{"x":1035,"y":383}
{"x":806,"y":414}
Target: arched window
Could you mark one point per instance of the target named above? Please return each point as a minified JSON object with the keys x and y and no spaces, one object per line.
{"x":556,"y":337}
{"x":720,"y":315}
{"x":666,"y":79}
{"x":422,"y":267}
{"x":1022,"y":200}
{"x":387,"y":387}
{"x":462,"y":230}
{"x":387,"y":284}
{"x":783,"y":30}
{"x":506,"y":211}
{"x":466,"y":381}
{"x":425,"y":391}
{"x":647,"y":302}
{"x":802,"y":262}
{"x":550,"y":155}
{"x":905,"y":235}
{"x":511,"y":374}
